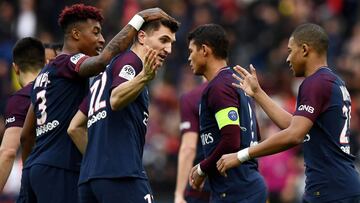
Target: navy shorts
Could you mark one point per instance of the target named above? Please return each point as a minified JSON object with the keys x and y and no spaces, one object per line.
{"x":108,"y":190}
{"x":259,"y":197}
{"x":44,"y":184}
{"x":354,"y":199}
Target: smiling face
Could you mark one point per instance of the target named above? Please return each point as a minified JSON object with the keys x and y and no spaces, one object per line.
{"x":296,"y":59}
{"x":160,"y":40}
{"x":91,"y":41}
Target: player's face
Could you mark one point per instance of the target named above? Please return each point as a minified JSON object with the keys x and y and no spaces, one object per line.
{"x":90,"y":38}
{"x":295,"y":58}
{"x":160,"y":40}
{"x":196,"y":59}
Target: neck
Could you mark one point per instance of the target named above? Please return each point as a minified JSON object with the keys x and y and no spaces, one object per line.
{"x":69,"y":47}
{"x":26,"y":78}
{"x":213,"y":67}
{"x":314,"y":64}
{"x":139,"y":51}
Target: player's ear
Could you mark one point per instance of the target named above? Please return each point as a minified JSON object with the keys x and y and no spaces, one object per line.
{"x":75,"y":33}
{"x":206,"y":50}
{"x":305,"y":49}
{"x":16,"y":68}
{"x":141,"y":37}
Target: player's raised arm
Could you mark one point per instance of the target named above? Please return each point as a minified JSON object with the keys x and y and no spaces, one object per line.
{"x":28,"y":133}
{"x":94,"y":65}
{"x":249,"y":83}
{"x":128,"y":91}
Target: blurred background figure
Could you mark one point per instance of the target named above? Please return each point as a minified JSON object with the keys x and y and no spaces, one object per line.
{"x":257,"y":31}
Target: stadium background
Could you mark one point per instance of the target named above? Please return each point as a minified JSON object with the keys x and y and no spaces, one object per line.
{"x":258,"y":31}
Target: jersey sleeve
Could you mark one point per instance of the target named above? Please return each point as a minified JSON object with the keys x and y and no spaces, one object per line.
{"x":71,"y":65}
{"x":16,"y":110}
{"x":313,"y":97}
{"x":124,"y":69}
{"x":189,"y":115}
{"x":223,"y":101}
{"x":84,"y":106}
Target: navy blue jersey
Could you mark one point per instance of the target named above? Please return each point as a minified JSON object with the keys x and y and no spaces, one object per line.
{"x":17,"y":107}
{"x":245,"y":180}
{"x":115,"y":138}
{"x":330,"y":172}
{"x":57,"y":93}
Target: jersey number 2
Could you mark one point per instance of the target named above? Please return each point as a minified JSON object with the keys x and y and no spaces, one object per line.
{"x":344,"y":136}
{"x":96,"y":103}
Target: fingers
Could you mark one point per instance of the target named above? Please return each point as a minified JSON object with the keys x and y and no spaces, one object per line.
{"x":236,"y":77}
{"x":241,"y":71}
{"x":252,"y":70}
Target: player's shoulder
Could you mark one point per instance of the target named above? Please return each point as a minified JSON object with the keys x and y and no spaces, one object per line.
{"x":320,"y":79}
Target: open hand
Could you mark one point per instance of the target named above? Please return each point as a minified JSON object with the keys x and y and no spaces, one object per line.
{"x":247,"y":81}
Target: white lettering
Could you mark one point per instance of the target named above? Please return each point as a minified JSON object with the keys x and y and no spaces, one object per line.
{"x":42,"y":80}
{"x":10,"y":120}
{"x":345,"y":93}
{"x":307,"y":138}
{"x":206,"y":138}
{"x":345,"y":149}
{"x":46,"y":127}
{"x":307,"y":108}
{"x":95,"y":118}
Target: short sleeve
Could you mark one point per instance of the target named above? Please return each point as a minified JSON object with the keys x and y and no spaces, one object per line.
{"x":189,"y":115}
{"x":314,"y":95}
{"x":69,"y":66}
{"x":84,"y":106}
{"x":124,"y":69}
{"x":16,"y":110}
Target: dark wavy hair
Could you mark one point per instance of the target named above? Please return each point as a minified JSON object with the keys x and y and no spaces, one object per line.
{"x":78,"y":13}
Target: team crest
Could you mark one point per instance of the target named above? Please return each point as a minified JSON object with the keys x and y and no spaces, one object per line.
{"x":74,"y":59}
{"x":233,"y":115}
{"x":127,"y":72}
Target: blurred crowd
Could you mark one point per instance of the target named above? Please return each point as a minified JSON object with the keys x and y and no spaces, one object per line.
{"x":258,"y":31}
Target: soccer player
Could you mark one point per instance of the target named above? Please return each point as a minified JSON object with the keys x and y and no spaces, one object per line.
{"x":321,"y":121}
{"x":117,"y":113}
{"x":29,"y":58}
{"x":227,"y":121}
{"x":57,"y":92}
{"x":190,"y":152}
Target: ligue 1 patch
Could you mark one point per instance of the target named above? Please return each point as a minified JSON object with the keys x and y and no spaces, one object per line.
{"x":127,"y":72}
{"x":74,"y":59}
{"x":233,"y":115}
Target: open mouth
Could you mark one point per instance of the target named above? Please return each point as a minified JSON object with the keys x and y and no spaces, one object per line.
{"x":99,"y":50}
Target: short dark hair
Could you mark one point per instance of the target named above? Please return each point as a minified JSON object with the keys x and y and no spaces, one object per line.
{"x":29,"y":54}
{"x":154,"y":25}
{"x":78,"y":13}
{"x":313,"y":35}
{"x":212,"y":35}
{"x":56,"y":47}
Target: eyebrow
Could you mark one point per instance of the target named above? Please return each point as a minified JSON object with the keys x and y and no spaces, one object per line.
{"x":169,"y":38}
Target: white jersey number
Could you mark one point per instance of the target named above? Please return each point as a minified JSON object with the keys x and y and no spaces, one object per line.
{"x":42,"y":107}
{"x":344,"y":136}
{"x":96,"y":103}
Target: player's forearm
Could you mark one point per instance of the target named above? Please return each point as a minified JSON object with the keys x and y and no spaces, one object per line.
{"x":94,"y":65}
{"x":7,"y":158}
{"x":128,"y":91}
{"x":185,"y":163}
{"x":278,"y":142}
{"x":277,"y":114}
{"x":80,"y":138}
{"x":27,"y":143}
{"x":28,"y":133}
{"x":230,"y":142}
